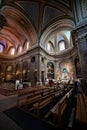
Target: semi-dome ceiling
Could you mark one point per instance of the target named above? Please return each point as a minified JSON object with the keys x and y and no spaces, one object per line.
{"x":27,"y":20}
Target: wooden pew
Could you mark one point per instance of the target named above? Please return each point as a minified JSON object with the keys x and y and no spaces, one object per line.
{"x":24,"y":99}
{"x":42,"y":103}
{"x":21,"y":99}
{"x":38,"y":96}
{"x":58,"y":109}
{"x":81,"y":110}
{"x":71,"y":120}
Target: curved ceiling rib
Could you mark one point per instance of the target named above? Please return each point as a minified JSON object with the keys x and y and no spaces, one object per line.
{"x":20,"y":13}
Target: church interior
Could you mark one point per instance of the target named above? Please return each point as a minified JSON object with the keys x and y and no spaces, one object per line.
{"x":43,"y":74}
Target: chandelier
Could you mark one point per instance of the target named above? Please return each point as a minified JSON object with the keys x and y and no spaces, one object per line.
{"x":2,"y":20}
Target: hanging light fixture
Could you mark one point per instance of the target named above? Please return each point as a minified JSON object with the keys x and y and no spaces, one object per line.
{"x":2,"y":20}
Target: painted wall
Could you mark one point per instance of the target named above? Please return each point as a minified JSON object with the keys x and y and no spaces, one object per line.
{"x":65,"y":71}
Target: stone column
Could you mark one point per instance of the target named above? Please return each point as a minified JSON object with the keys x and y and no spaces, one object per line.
{"x":21,"y":65}
{"x":3,"y":74}
{"x":38,"y":63}
{"x":29,"y":61}
{"x":14,"y":70}
{"x":82,"y":52}
{"x":55,"y":69}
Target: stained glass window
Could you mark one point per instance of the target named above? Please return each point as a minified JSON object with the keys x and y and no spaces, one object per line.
{"x":1,"y":48}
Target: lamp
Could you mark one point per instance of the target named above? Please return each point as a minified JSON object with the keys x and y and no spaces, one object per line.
{"x":2,"y":20}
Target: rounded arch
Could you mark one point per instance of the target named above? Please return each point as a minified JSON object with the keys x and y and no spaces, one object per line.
{"x":50,"y":47}
{"x":18,"y":27}
{"x":54,"y":29}
{"x":26,"y":45}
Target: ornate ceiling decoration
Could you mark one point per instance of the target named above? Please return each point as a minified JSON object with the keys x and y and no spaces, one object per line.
{"x":27,"y":20}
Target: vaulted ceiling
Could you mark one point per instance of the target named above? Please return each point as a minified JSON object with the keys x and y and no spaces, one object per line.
{"x":27,"y":20}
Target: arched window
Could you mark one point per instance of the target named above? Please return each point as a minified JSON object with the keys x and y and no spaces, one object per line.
{"x":20,"y":49}
{"x":27,"y":45}
{"x":1,"y":48}
{"x":50,"y":46}
{"x":12,"y":51}
{"x":62,"y":45}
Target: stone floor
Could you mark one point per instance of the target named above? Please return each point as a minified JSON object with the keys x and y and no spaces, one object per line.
{"x":6,"y":123}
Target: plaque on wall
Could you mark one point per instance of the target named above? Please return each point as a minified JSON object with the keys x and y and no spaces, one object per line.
{"x":84,"y":8}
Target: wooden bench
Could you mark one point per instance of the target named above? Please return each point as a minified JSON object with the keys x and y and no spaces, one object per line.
{"x":58,"y":109}
{"x":40,"y":96}
{"x":71,"y":120}
{"x":81,"y":110}
{"x":24,"y":99}
{"x":42,"y":103}
{"x":32,"y":99}
{"x":21,"y":99}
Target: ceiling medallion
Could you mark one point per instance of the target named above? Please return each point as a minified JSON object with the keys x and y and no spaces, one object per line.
{"x":2,"y":20}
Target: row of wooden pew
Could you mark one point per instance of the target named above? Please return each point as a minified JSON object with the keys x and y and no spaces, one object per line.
{"x":37,"y":100}
{"x":31,"y":96}
{"x":81,"y":110}
{"x":58,"y":110}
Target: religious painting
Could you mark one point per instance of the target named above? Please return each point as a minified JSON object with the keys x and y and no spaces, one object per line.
{"x":18,"y":71}
{"x":25,"y":69}
{"x":77,"y":67}
{"x":66,"y":70}
{"x":50,"y":70}
{"x":9,"y":70}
